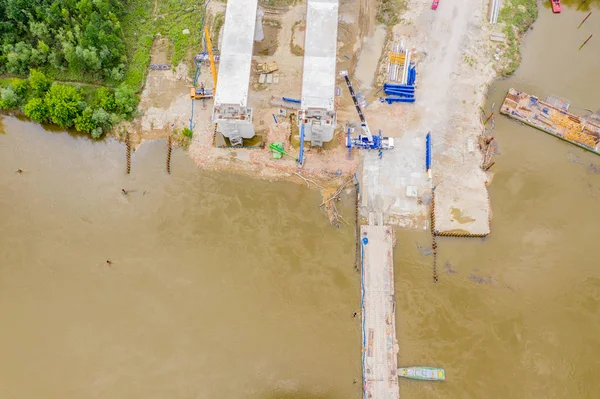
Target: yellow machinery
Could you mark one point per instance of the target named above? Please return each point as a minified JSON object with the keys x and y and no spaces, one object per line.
{"x":202,"y":93}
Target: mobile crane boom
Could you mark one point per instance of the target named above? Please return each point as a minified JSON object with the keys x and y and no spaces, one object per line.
{"x":366,"y":140}
{"x":363,"y":121}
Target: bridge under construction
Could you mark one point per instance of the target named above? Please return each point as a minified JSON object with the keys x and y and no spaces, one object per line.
{"x":231,"y":112}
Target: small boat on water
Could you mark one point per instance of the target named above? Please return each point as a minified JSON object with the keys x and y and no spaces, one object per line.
{"x":556,"y":7}
{"x":422,"y":373}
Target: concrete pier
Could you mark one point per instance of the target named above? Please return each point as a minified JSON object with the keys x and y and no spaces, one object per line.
{"x":380,"y":347}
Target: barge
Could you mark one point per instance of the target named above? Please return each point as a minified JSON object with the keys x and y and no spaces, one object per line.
{"x":554,"y":119}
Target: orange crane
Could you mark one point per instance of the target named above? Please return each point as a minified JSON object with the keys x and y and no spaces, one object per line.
{"x":211,"y":57}
{"x":202,"y":93}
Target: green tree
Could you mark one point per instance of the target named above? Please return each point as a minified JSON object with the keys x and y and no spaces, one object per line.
{"x":97,"y":132}
{"x":105,"y":99}
{"x":63,"y":104}
{"x":17,"y":57}
{"x":36,"y":109}
{"x":125,"y":99}
{"x":20,"y":86}
{"x":101,"y":118}
{"x":85,"y":122}
{"x":8,"y":98}
{"x":39,"y":82}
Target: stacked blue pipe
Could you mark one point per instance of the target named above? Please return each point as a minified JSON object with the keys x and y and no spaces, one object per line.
{"x":400,"y":93}
{"x":397,"y":99}
{"x":394,"y":86}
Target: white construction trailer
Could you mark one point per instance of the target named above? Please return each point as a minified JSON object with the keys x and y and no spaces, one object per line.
{"x":317,"y":109}
{"x":230,"y":111}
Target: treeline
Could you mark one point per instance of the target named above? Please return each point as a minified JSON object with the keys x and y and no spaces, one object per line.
{"x":68,"y":106}
{"x":82,"y":37}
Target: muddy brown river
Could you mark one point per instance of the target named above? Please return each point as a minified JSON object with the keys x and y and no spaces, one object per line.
{"x":224,"y":287}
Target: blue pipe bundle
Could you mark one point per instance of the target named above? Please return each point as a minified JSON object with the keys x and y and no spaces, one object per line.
{"x":394,"y":86}
{"x":397,"y":99}
{"x":404,"y":95}
{"x":428,"y":152}
{"x":291,"y":100}
{"x":399,"y":91}
{"x":387,"y":91}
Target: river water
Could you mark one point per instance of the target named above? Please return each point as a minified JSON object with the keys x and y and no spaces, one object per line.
{"x":223,"y":287}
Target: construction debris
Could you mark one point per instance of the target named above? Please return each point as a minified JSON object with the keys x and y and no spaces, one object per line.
{"x":160,"y":67}
{"x":331,"y":197}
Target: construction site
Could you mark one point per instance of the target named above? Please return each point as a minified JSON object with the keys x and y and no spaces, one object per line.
{"x":319,"y":93}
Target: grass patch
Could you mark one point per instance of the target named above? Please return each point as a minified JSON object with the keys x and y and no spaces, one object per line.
{"x":217,"y":23}
{"x":138,"y":31}
{"x":390,"y":11}
{"x":517,"y":16}
{"x":174,"y":16}
{"x":140,"y":27}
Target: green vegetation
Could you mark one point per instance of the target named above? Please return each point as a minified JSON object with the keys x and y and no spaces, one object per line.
{"x":390,"y":11}
{"x":216,"y":28}
{"x":104,"y":42}
{"x":87,"y":109}
{"x":138,"y":31}
{"x":184,"y":138}
{"x":187,"y":132}
{"x":79,"y":40}
{"x":174,"y":16}
{"x":517,"y":16}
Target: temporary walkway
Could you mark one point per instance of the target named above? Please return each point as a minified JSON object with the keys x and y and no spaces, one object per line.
{"x":230,"y":111}
{"x":318,"y":77}
{"x":380,"y":348}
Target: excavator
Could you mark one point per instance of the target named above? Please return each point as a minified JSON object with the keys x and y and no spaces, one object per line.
{"x":201,"y":93}
{"x":365,"y":140}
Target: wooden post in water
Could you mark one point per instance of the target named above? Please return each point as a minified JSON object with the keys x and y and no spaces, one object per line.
{"x":586,"y":40}
{"x":128,"y":149}
{"x":169,"y":149}
{"x":584,"y":20}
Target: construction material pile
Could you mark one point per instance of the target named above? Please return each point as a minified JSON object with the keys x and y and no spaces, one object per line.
{"x":402,"y":74}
